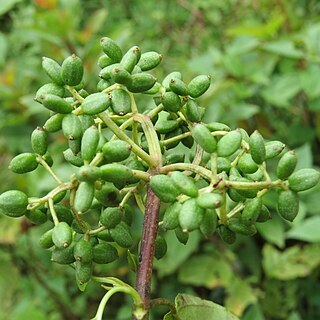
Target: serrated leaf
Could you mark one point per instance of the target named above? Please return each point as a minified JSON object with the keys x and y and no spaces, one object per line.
{"x":284,"y":48}
{"x":292,"y":263}
{"x":189,"y":307}
{"x":307,"y":231}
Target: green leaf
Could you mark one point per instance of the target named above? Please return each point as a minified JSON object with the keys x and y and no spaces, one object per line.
{"x":170,"y":316}
{"x":273,"y":231}
{"x":307,"y":231}
{"x":309,"y":81}
{"x":189,"y":307}
{"x":254,"y":313}
{"x":242,"y":45}
{"x":240,"y":296}
{"x":209,"y":271}
{"x":281,"y":90}
{"x":7,"y":5}
{"x":292,"y":263}
{"x":284,"y":48}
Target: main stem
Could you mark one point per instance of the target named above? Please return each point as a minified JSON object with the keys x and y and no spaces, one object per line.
{"x":149,"y":234}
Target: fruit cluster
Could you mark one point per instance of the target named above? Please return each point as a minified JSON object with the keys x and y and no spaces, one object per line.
{"x":120,"y":147}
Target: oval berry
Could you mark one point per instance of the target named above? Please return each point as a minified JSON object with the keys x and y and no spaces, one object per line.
{"x":72,"y":70}
{"x":203,"y":137}
{"x":104,"y":253}
{"x":257,"y":147}
{"x":229,"y":143}
{"x":84,"y":196}
{"x":111,"y":49}
{"x":163,"y":187}
{"x":120,"y":102}
{"x":149,"y":60}
{"x":23,"y":163}
{"x":199,"y":85}
{"x":190,"y":216}
{"x":62,"y":235}
{"x":286,"y":165}
{"x":39,"y":141}
{"x":89,"y":143}
{"x":288,"y":204}
{"x":304,"y":179}
{"x":53,"y":70}
{"x":185,"y":184}
{"x":96,"y":103}
{"x":13,"y":203}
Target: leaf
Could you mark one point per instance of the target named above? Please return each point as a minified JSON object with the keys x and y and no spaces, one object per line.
{"x":170,"y":316}
{"x":208,"y":271}
{"x":245,"y":111}
{"x":292,"y":263}
{"x":307,"y":231}
{"x":254,"y":313}
{"x":273,"y":231}
{"x":177,"y":253}
{"x":189,"y":307}
{"x":281,"y":90}
{"x":242,"y":45}
{"x":304,"y":155}
{"x":7,"y":5}
{"x":284,"y":48}
{"x":261,"y":31}
{"x":240,"y":296}
{"x":309,"y":81}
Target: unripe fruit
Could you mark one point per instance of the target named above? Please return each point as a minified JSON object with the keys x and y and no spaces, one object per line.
{"x":114,"y":172}
{"x":104,"y":253}
{"x":203,"y":137}
{"x":229,"y":143}
{"x":62,"y":235}
{"x":171,"y":216}
{"x":88,"y":173}
{"x":257,"y":147}
{"x":121,"y":235}
{"x":238,"y":226}
{"x":173,"y":75}
{"x":39,"y":141}
{"x":71,"y":127}
{"x":273,"y":149}
{"x":199,"y":85}
{"x":264,"y":215}
{"x":218,"y":126}
{"x":286,"y":165}
{"x":84,"y":196}
{"x":23,"y":163}
{"x":141,"y":82}
{"x":104,"y":61}
{"x":160,"y":247}
{"x":54,"y":123}
{"x":251,"y":211}
{"x":75,"y":160}
{"x":227,"y":235}
{"x":86,"y":121}
{"x":63,"y":255}
{"x":210,"y":200}
{"x":110,"y":217}
{"x":149,"y":60}
{"x":49,"y":88}
{"x":190,"y":216}
{"x":13,"y":203}
{"x":182,"y":237}
{"x":120,"y":75}
{"x":288,"y":204}
{"x":36,"y":216}
{"x":72,"y":70}
{"x":96,"y":103}
{"x":83,"y":251}
{"x":303,"y":179}
{"x":131,"y":58}
{"x":166,"y":126}
{"x":184,"y":183}
{"x":163,"y":187}
{"x":193,"y":111}
{"x":111,"y":49}
{"x":120,"y":102}
{"x":45,"y":240}
{"x":83,"y":272}
{"x":179,"y":87}
{"x":89,"y":143}
{"x":55,"y":103}
{"x":246,"y":164}
{"x":53,"y":70}
{"x":209,"y":223}
{"x":171,"y":101}
{"x":116,"y":150}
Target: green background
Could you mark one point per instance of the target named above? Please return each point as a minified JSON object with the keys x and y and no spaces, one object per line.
{"x":264,"y":59}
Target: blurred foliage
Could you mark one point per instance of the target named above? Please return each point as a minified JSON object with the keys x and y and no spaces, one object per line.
{"x":264,"y":57}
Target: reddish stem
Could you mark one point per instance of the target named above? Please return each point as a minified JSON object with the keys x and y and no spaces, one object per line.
{"x":149,"y":234}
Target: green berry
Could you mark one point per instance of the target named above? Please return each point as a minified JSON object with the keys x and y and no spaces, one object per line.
{"x":72,"y":70}
{"x":13,"y":203}
{"x":23,"y":163}
{"x":304,"y":179}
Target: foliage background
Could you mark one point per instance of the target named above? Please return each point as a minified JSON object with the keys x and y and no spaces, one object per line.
{"x":264,"y":57}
